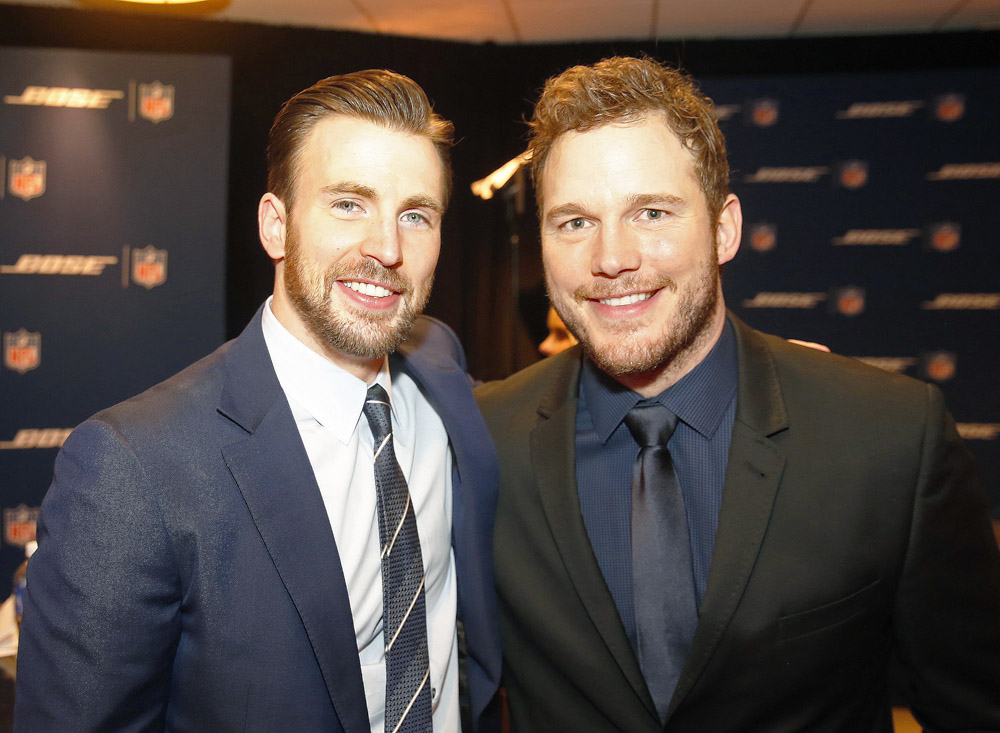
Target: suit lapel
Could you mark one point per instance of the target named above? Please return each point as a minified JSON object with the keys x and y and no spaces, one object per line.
{"x":553,"y":451}
{"x":448,"y":389}
{"x":274,"y":475}
{"x":474,"y":495}
{"x":752,"y":478}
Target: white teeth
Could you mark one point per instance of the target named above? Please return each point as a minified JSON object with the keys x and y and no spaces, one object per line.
{"x":627,"y":299}
{"x":374,"y":291}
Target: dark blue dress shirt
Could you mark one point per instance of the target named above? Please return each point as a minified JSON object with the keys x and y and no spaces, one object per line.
{"x":704,"y":400}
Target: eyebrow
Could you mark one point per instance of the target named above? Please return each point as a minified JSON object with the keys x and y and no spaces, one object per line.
{"x":351,"y":187}
{"x":639,"y":200}
{"x":571,"y":209}
{"x":424,"y":202}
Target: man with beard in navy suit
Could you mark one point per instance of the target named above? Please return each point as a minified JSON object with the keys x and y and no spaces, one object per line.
{"x":294,"y":532}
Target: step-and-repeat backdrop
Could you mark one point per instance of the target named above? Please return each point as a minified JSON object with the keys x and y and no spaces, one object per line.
{"x":872,"y":217}
{"x":112,"y":245}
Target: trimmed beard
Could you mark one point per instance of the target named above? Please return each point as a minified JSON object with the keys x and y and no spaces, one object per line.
{"x":623,"y":356}
{"x":361,"y":333}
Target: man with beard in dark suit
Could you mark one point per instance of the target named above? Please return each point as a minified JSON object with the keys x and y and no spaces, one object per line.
{"x":292,"y":534}
{"x":702,"y":527}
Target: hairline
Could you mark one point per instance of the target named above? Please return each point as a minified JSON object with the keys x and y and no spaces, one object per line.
{"x":298,"y":151}
{"x":630,"y":119}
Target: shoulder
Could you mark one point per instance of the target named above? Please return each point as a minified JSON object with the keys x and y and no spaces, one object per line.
{"x":551,"y":381}
{"x":802,"y":366}
{"x":173,"y":406}
{"x":434,"y":340}
{"x":838,"y":388}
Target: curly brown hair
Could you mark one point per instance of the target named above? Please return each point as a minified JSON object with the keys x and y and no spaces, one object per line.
{"x":379,"y":96}
{"x":624,"y":90}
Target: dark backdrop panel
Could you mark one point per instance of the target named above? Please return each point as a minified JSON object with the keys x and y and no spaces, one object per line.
{"x":112,"y":243}
{"x":868,"y":225}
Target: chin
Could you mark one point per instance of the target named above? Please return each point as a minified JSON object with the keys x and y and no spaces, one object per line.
{"x":620,"y":360}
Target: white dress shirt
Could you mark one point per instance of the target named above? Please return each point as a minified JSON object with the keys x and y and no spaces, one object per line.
{"x":327,"y":403}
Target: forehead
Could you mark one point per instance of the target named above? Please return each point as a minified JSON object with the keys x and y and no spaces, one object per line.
{"x":340,"y":149}
{"x":616,"y":160}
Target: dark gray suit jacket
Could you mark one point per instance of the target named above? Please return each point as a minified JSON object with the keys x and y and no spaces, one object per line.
{"x":852,"y":529}
{"x":187,"y":577}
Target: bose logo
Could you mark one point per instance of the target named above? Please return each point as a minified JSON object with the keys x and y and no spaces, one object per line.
{"x":724,"y":112}
{"x":66,"y":97}
{"x":785,"y":300}
{"x":978,"y":430}
{"x":59,"y":265}
{"x":889,"y":363}
{"x":37,"y":438}
{"x":891,"y":237}
{"x":965,"y":171}
{"x":869,"y":110}
{"x":803,"y":174}
{"x":964,"y":302}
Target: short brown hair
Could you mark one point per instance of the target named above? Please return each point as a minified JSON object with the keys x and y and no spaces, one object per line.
{"x":379,"y":96}
{"x":623,"y":89}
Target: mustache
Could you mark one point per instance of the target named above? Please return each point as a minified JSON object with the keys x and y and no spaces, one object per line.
{"x":367,"y":269}
{"x":601,"y":289}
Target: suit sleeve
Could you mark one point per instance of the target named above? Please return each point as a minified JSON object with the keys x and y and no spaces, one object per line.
{"x":101,"y":618}
{"x":948,"y":605}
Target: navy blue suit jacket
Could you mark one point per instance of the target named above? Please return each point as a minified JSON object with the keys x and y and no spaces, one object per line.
{"x":187,"y":577}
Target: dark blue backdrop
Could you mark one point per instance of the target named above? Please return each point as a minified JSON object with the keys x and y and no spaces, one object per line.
{"x":871,"y":217}
{"x":112,"y":244}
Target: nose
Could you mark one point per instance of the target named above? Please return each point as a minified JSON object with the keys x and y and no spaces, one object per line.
{"x":615,"y":251}
{"x":382,"y":243}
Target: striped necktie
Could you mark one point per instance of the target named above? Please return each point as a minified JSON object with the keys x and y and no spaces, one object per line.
{"x":404,"y":624}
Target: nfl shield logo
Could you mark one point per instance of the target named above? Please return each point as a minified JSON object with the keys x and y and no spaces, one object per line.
{"x":853,"y":174}
{"x":764,"y":112}
{"x":27,"y":178}
{"x":19,"y":525}
{"x":22,"y":350}
{"x":849,"y":301}
{"x":149,"y":266}
{"x":156,"y":101}
{"x":945,"y":236}
{"x":949,"y":107}
{"x":940,"y":365}
{"x":763,"y":237}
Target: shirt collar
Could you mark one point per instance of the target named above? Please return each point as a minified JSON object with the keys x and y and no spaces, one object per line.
{"x":699,"y":399}
{"x":329,"y":394}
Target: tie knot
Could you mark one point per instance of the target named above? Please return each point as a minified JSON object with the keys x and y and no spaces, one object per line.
{"x":376,"y":409}
{"x":651,"y":424}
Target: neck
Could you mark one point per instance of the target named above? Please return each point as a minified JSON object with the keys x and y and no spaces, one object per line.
{"x":364,"y":369}
{"x":651,"y":383}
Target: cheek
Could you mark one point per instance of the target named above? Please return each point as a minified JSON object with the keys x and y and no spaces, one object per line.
{"x":677,"y":256}
{"x":423,"y":257}
{"x":332,"y":239}
{"x":563,"y":268}
{"x":667,"y":250}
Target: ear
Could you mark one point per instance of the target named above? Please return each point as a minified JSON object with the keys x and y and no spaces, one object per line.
{"x":729,"y":229}
{"x":271,"y":220}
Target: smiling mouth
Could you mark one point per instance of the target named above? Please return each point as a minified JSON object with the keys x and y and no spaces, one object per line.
{"x":369,"y":289}
{"x":627,"y":299}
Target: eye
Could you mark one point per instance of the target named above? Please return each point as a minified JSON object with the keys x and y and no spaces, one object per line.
{"x":575,"y":225}
{"x":652,"y":214}
{"x":348,"y":206}
{"x":415,"y":218}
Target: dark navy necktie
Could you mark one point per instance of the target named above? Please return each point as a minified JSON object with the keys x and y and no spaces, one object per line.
{"x":662,"y":576}
{"x":404,"y":618}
